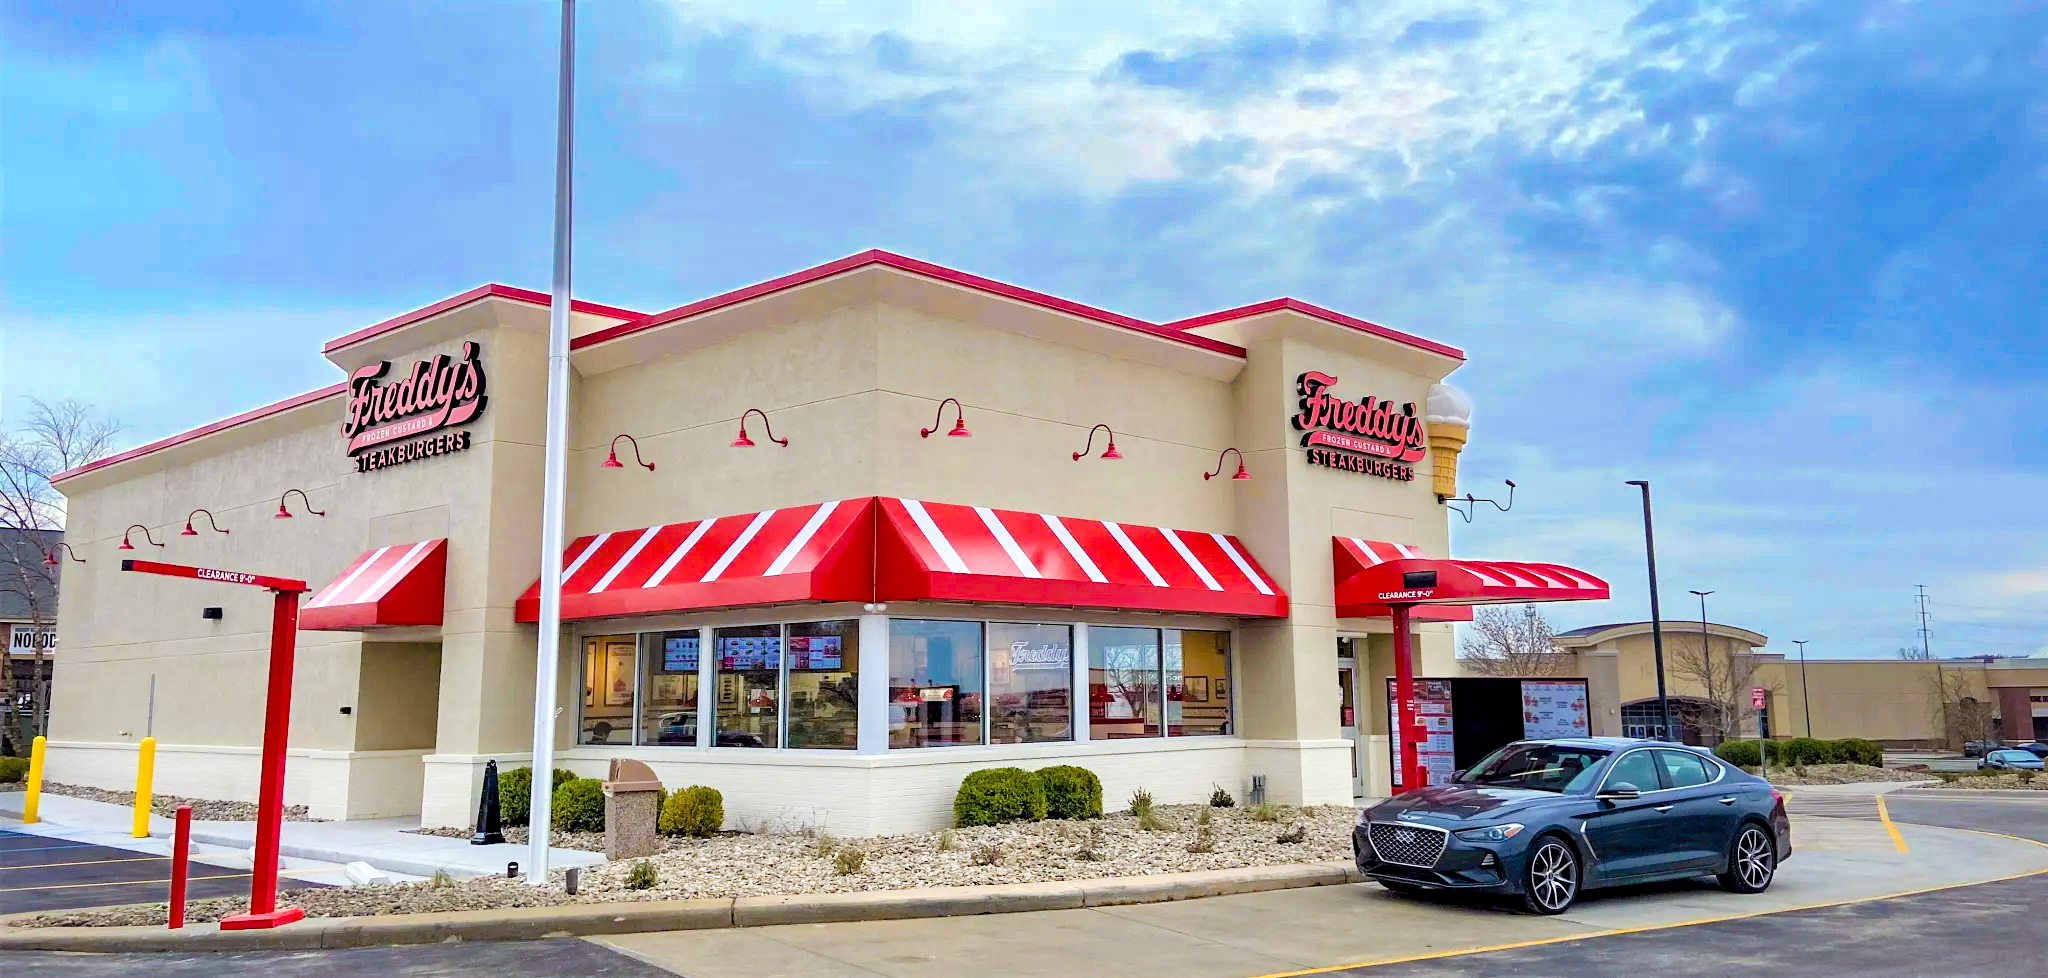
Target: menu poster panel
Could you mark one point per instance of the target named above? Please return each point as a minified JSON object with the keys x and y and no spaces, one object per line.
{"x":821,"y":652}
{"x":744,"y":653}
{"x":1437,"y":752}
{"x":1554,"y":709}
{"x":679,"y":654}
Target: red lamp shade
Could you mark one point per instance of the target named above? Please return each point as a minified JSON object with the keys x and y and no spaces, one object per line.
{"x":959,"y":420}
{"x":612,"y":461}
{"x":1242,"y":475}
{"x":188,"y":531}
{"x":959,"y":429}
{"x":125,"y":545}
{"x":1111,"y":452}
{"x":282,"y":513}
{"x":50,"y":558}
{"x":743,"y":441}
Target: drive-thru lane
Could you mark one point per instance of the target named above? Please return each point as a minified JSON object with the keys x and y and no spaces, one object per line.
{"x":44,"y":873}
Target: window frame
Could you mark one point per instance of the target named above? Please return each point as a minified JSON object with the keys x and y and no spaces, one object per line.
{"x":1655,"y":766}
{"x":1710,"y":767}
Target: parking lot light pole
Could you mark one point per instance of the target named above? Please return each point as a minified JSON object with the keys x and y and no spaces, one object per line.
{"x":1805,"y":691}
{"x":1656,"y":619}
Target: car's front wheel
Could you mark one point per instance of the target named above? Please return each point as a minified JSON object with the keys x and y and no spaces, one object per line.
{"x":1752,"y":861}
{"x":1551,"y":878}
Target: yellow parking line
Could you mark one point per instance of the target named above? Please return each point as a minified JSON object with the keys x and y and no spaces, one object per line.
{"x":1616,"y":932}
{"x":1886,"y":817}
{"x":75,"y":886}
{"x":89,"y":862}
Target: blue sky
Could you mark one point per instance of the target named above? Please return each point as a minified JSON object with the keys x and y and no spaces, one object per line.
{"x":1781,"y":258}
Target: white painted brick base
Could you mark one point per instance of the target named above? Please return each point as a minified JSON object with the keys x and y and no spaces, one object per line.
{"x":332,"y":784}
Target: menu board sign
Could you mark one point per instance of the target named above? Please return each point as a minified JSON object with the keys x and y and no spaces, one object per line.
{"x":816,"y":652}
{"x":742,"y":653}
{"x":679,"y":653}
{"x":1433,"y":711}
{"x":1554,"y":709}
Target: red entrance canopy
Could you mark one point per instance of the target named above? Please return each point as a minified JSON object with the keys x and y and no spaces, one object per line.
{"x":1352,"y":556}
{"x":398,"y":585}
{"x":1369,"y":590}
{"x":887,"y":549}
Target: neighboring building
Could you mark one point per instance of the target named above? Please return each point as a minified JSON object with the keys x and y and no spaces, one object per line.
{"x":28,"y":623}
{"x":835,"y":630}
{"x":1897,"y":702}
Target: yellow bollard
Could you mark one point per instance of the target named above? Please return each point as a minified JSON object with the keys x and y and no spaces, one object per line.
{"x":145,"y":768}
{"x":35,"y":781}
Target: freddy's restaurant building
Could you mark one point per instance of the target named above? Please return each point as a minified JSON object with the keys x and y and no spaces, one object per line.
{"x":877,"y":524}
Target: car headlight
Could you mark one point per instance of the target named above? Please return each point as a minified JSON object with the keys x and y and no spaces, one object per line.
{"x":1492,"y":833}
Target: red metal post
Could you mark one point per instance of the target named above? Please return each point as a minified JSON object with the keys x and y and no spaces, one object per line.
{"x":277,"y":715}
{"x":1404,"y":696}
{"x":181,"y":843}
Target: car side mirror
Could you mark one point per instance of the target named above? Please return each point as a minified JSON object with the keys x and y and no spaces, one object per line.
{"x":1458,"y":775}
{"x":1620,"y":791}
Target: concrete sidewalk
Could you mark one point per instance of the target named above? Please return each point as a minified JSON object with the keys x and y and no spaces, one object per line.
{"x":383,"y":843}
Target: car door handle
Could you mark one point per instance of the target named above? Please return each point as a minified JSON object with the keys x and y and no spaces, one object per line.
{"x":1663,"y":808}
{"x":1730,"y":800}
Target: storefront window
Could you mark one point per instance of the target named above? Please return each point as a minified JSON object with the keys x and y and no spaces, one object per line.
{"x":668,"y":688}
{"x":1197,"y":683}
{"x":608,"y":687}
{"x":823,"y":702}
{"x":934,"y":683}
{"x":1123,"y":683}
{"x":749,"y":682}
{"x":1030,"y":683}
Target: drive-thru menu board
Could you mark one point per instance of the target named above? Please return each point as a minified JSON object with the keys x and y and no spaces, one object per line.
{"x":1553,"y":709}
{"x":1437,"y":752}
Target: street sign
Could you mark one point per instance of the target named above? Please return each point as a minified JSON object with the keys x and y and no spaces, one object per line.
{"x":1756,"y":697}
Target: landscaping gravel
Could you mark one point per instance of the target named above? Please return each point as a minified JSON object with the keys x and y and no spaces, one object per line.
{"x":736,"y":864}
{"x":203,"y":809}
{"x":516,"y":835}
{"x":1841,"y":774}
{"x":2004,"y":782}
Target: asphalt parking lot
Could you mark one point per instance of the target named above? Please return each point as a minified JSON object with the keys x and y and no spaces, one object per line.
{"x":43,"y":873}
{"x":1987,"y":929}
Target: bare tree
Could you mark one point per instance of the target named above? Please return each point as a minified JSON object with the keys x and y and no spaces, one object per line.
{"x":54,"y":437}
{"x":1918,"y":655}
{"x":1724,"y":681}
{"x":1506,"y":641}
{"x":1961,"y":716}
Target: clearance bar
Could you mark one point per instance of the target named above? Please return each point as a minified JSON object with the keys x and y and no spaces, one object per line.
{"x":211,"y":574}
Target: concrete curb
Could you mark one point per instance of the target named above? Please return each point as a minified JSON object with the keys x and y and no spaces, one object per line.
{"x":1946,"y":792}
{"x":581,"y":920}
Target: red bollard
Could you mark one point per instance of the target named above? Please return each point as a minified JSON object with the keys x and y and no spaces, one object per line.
{"x":180,"y":842}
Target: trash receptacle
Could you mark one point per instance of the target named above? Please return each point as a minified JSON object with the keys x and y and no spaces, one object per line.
{"x":632,"y":805}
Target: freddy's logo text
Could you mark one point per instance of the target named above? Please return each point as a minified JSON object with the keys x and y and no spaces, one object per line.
{"x":1335,"y":428}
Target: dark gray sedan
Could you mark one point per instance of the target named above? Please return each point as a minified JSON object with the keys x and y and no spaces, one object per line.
{"x":1544,"y":821}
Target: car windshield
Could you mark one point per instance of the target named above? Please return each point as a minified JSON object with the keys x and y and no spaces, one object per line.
{"x":1543,"y":767}
{"x":2012,"y":755}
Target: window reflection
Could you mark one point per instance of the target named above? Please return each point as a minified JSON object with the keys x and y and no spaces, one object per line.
{"x":934,"y":683}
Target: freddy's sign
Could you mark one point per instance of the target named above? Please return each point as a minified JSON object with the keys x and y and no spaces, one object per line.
{"x":435,"y":394}
{"x":1368,"y":435}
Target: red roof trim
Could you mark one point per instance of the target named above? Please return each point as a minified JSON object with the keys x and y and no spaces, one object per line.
{"x":916,"y":267}
{"x":480,"y":292}
{"x":1318,"y":312}
{"x":201,"y":432}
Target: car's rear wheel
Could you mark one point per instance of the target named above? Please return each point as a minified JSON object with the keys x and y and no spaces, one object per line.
{"x":1752,"y":861}
{"x":1551,"y":878}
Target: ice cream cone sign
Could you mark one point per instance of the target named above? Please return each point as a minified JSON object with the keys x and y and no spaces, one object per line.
{"x":1449,"y":423}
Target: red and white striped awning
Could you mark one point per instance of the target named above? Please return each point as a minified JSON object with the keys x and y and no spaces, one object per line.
{"x":886,"y":549}
{"x":949,"y":552}
{"x":404,"y":584}
{"x":820,"y":552}
{"x":1352,"y":555}
{"x":1370,"y":576}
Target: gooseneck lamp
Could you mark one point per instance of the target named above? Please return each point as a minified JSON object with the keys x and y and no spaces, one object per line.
{"x":1109,"y":453}
{"x":50,"y":555}
{"x":959,"y":421}
{"x":612,"y":461}
{"x":285,"y":514}
{"x":744,"y":442}
{"x":188,"y":531}
{"x":125,"y":545}
{"x":1241,"y":476}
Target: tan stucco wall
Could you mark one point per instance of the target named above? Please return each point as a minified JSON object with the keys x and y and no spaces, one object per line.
{"x":398,"y":695}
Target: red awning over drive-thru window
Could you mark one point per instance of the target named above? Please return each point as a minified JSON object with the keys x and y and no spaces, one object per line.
{"x":1372,"y":574}
{"x":886,"y":549}
{"x":948,"y":552}
{"x":386,"y":587}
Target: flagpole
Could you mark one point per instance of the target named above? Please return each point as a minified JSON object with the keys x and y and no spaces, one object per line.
{"x":555,"y":474}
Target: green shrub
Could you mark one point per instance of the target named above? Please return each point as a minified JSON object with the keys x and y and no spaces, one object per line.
{"x":14,"y":770}
{"x":642,"y":876}
{"x":997,"y":795}
{"x":1221,"y":798}
{"x":579,"y":805}
{"x":1071,"y":792}
{"x":848,"y":860}
{"x":1141,"y":803}
{"x":1856,"y":750}
{"x":695,"y":811}
{"x":1741,"y":753}
{"x":1801,"y":751}
{"x":515,"y":792}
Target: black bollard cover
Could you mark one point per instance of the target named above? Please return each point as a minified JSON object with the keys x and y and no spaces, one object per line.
{"x":488,"y":831}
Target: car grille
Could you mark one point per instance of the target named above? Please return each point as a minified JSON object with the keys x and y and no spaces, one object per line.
{"x":1407,"y":845}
